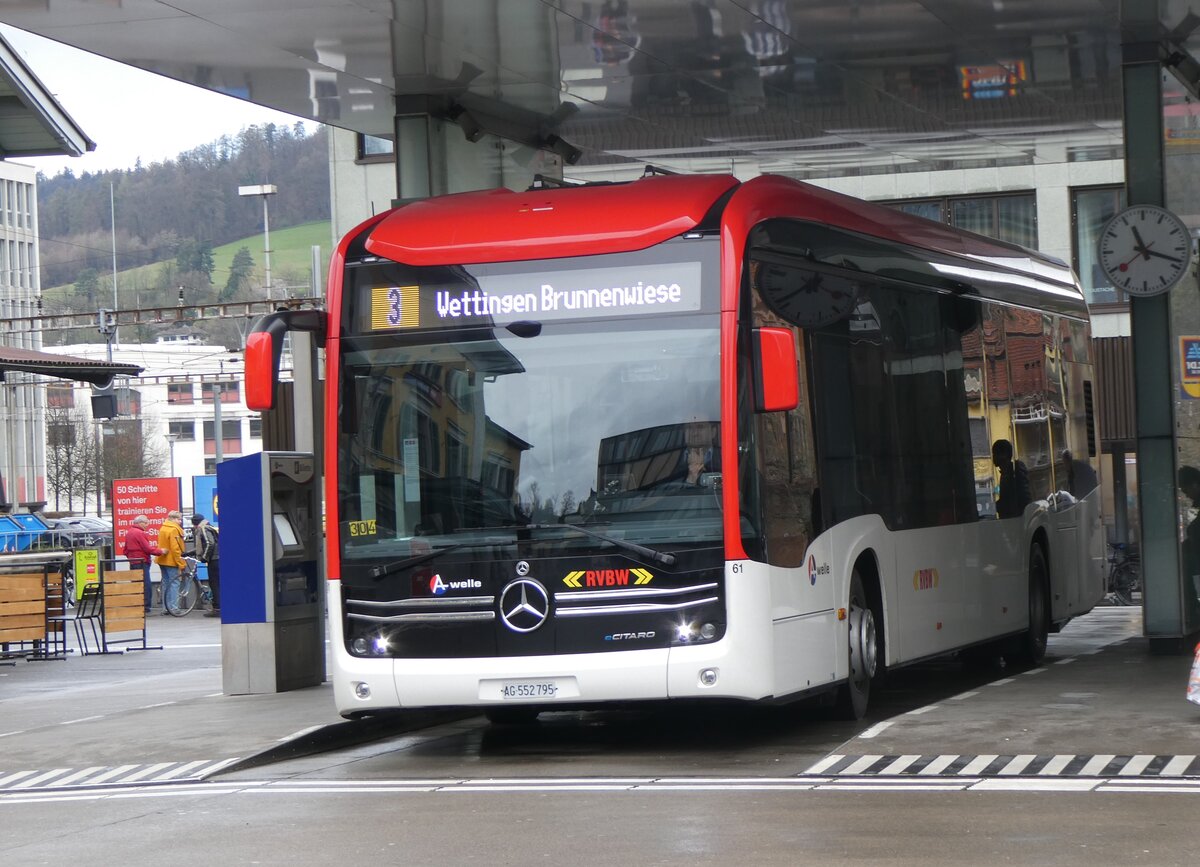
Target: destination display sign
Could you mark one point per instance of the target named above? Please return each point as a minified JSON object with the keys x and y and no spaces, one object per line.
{"x":547,"y":296}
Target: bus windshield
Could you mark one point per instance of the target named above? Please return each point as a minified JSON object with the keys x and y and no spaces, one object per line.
{"x":475,"y":437}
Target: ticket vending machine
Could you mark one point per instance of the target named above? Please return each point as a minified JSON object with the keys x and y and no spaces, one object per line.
{"x":272,"y":604}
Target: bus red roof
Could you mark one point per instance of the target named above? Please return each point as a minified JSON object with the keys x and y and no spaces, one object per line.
{"x":505,"y":226}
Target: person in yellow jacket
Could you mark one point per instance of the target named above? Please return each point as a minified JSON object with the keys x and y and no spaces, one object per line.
{"x":170,"y":539}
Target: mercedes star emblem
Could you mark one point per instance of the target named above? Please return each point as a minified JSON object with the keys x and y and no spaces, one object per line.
{"x":522,"y":568}
{"x":524,"y":605}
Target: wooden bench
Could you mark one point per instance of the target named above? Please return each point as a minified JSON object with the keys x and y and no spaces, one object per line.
{"x":124,"y":605}
{"x":22,"y":614}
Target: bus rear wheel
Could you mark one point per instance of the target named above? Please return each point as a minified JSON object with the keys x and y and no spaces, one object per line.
{"x":1029,"y":648}
{"x":855,"y":693}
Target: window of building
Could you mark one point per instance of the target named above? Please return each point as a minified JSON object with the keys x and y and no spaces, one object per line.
{"x":230,"y":392}
{"x":182,"y":430}
{"x":1090,"y":210}
{"x":256,"y":428}
{"x":371,"y":148}
{"x":1011,"y":217}
{"x":231,"y":437}
{"x":60,"y":396}
{"x":179,"y":392}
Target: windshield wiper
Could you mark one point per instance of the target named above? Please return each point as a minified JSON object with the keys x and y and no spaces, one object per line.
{"x":386,"y":569}
{"x":649,"y":553}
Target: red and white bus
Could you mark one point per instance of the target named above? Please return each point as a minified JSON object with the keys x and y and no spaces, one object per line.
{"x":690,"y":438}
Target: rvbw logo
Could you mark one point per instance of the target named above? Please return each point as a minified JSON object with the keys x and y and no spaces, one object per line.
{"x":439,"y":587}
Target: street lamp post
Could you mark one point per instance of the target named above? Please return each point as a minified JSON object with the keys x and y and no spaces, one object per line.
{"x":263,"y":190}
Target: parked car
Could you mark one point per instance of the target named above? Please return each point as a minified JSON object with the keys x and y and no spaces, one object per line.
{"x":76,"y":531}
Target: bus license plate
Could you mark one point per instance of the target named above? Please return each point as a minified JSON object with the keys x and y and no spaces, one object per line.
{"x":527,"y":689}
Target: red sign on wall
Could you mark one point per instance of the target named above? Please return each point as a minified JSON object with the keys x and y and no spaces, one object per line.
{"x":153,"y":498}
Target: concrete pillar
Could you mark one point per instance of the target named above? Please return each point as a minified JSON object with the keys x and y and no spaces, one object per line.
{"x":1162,"y":580}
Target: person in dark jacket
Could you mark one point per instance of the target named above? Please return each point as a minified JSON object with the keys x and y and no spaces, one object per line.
{"x":208,"y":552}
{"x":139,"y":548}
{"x":1014,"y":493}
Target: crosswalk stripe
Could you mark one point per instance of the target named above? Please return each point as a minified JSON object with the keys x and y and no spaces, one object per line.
{"x":181,"y":770}
{"x":1055,"y":766}
{"x":825,"y":763}
{"x":1095,"y":765}
{"x":1177,"y":766}
{"x":1017,"y":765}
{"x":1135,"y":766}
{"x":110,"y":773}
{"x":900,"y":765}
{"x":976,"y":765}
{"x":937,"y":765}
{"x":41,"y":778}
{"x":146,"y":771}
{"x":861,"y":765}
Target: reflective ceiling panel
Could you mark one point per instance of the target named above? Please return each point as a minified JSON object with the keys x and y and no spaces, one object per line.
{"x":812,"y":88}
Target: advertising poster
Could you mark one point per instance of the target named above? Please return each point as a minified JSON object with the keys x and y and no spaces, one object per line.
{"x":87,"y":569}
{"x":153,"y":498}
{"x":204,"y":499}
{"x":1189,"y":367}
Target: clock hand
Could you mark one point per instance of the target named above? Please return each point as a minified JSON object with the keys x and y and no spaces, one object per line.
{"x":1139,"y":244}
{"x":1149,"y":253}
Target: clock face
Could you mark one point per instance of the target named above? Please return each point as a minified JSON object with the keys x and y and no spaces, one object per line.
{"x":1145,"y":250}
{"x":808,"y":298}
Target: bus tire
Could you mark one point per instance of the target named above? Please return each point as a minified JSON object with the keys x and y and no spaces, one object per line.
{"x":863,"y":650}
{"x":511,"y":716}
{"x":1029,"y":648}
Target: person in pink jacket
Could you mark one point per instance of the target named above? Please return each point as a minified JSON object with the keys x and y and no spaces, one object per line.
{"x":139,"y":548}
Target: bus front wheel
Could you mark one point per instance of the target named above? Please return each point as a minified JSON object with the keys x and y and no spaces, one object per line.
{"x":853,"y":695}
{"x":1029,"y":648}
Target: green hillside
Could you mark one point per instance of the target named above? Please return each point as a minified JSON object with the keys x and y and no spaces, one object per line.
{"x":291,"y":264}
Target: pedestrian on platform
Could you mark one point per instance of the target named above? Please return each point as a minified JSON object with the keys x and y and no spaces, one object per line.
{"x":170,"y":540}
{"x":205,"y":536}
{"x":139,"y":548}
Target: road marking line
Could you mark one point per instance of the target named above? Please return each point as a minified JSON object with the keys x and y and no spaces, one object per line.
{"x":922,"y":710}
{"x":72,"y":722}
{"x":875,"y":730}
{"x":964,"y":695}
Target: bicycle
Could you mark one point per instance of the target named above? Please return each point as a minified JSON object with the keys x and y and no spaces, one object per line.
{"x":192,"y":591}
{"x":1124,"y":573}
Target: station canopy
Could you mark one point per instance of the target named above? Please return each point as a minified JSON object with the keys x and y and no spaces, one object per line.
{"x":806,"y":88}
{"x":98,"y":373}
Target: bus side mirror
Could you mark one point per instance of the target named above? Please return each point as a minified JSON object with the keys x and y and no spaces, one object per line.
{"x":776,"y":372}
{"x":261,"y":372}
{"x":264,"y":347}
